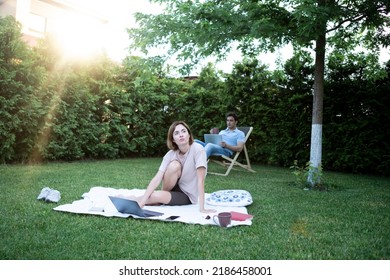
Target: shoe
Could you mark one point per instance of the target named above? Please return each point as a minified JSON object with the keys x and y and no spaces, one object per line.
{"x":53,"y":196}
{"x":44,"y":193}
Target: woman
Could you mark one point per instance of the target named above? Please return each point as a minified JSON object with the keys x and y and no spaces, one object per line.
{"x":182,"y":172}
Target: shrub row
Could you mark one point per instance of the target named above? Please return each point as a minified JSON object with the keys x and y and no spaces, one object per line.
{"x":56,"y":110}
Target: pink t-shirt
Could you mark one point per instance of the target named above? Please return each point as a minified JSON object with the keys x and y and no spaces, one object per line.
{"x":190,"y":161}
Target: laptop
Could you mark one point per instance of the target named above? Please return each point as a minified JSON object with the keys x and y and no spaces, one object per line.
{"x":132,"y":207}
{"x":213,"y":138}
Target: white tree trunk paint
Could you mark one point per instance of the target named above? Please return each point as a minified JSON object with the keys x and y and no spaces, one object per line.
{"x":316,"y":145}
{"x":315,"y":154}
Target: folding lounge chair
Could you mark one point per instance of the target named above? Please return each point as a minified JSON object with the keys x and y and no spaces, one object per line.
{"x":230,"y":162}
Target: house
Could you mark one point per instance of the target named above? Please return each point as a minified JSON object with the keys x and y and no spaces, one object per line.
{"x":59,"y":18}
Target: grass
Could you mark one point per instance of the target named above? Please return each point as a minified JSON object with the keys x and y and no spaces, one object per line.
{"x":351,"y":221}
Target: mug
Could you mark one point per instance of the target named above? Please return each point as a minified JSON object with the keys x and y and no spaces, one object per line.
{"x":224,"y":219}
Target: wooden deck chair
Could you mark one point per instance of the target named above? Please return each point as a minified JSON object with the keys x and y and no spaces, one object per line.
{"x":230,"y":162}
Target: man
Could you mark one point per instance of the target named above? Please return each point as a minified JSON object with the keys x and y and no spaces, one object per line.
{"x":233,"y":139}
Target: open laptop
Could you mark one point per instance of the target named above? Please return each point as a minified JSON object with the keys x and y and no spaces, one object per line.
{"x":213,"y":138}
{"x":132,"y":207}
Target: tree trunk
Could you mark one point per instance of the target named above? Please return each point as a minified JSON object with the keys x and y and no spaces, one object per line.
{"x":314,"y":177}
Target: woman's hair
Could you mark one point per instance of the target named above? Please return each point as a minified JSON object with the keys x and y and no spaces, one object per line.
{"x":172,"y":145}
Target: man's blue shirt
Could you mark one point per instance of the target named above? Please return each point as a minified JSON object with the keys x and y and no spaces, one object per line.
{"x":232,"y":137}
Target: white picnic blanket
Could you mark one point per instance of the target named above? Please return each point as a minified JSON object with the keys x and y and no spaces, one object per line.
{"x":97,"y":202}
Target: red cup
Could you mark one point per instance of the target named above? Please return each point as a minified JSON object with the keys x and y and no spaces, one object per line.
{"x":224,"y":219}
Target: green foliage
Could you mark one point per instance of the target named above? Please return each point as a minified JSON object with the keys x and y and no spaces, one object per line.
{"x":73,"y":125}
{"x":304,"y":175}
{"x":195,"y":29}
{"x":359,"y":124}
{"x":21,"y":111}
{"x":292,"y":129}
{"x":203,"y":105}
{"x":300,"y":173}
{"x":277,"y":105}
{"x":52,"y":109}
{"x":251,"y":93}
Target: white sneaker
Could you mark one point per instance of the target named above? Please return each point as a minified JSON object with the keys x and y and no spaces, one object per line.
{"x":44,"y":193}
{"x":53,"y":196}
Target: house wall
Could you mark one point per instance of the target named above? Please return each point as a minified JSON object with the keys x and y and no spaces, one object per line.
{"x":41,"y":17}
{"x":8,"y":7}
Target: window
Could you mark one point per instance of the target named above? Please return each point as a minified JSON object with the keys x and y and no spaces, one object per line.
{"x":37,"y":23}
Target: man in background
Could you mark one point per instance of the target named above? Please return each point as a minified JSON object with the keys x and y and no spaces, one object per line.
{"x":233,"y":139}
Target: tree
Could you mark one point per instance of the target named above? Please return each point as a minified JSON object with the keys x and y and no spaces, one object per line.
{"x":21,"y":109}
{"x":197,"y":29}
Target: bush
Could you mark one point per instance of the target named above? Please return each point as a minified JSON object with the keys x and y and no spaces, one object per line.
{"x":21,"y":108}
{"x":53,"y":109}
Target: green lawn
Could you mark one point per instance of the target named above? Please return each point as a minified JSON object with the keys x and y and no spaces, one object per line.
{"x":350,"y":221}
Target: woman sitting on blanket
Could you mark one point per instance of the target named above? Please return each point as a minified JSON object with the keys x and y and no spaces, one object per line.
{"x":182,"y":172}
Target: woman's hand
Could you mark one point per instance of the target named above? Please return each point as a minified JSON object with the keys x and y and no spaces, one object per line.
{"x":207,"y":211}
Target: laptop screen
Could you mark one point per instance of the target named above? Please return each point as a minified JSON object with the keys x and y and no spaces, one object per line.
{"x":213,"y":138}
{"x":132,"y":207}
